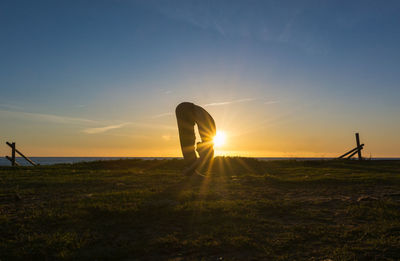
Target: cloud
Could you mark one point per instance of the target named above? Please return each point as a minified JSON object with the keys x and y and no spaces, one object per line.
{"x":57,"y":119}
{"x":104,"y":129}
{"x":46,"y":117}
{"x":229,"y":102}
{"x":153,"y":126}
{"x":162,"y":115}
{"x":166,"y":137}
{"x":271,"y":102}
{"x":267,"y":21}
{"x":10,"y":106}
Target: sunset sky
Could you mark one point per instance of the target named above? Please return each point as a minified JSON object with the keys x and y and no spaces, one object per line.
{"x":281,"y":78}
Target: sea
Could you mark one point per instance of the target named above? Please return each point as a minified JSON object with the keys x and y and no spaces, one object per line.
{"x":69,"y":160}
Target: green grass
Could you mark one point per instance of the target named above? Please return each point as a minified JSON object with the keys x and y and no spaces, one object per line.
{"x":246,"y":210}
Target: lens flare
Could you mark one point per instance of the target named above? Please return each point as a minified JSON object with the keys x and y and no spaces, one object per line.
{"x":219,"y":139}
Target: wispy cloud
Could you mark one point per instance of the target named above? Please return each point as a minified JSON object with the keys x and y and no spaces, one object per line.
{"x":10,"y":106}
{"x":238,"y":19}
{"x":229,"y":102}
{"x":46,"y":117}
{"x":98,"y":130}
{"x":271,"y":102}
{"x":162,"y":115}
{"x":154,"y":126}
{"x":79,"y":122}
{"x":166,"y":137}
{"x":104,"y":129}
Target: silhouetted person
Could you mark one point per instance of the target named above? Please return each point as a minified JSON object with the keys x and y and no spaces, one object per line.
{"x":187,"y":115}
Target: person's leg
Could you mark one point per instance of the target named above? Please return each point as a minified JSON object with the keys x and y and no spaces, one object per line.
{"x":205,"y":124}
{"x":185,"y":118}
{"x":207,"y":131}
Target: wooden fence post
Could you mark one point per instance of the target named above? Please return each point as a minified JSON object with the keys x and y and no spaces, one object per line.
{"x":13,"y":154}
{"x":356,"y":150}
{"x":358,"y":145}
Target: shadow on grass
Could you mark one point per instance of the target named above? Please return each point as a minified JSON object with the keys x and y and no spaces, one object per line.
{"x":246,"y":209}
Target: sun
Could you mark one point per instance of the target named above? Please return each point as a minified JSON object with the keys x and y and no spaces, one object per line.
{"x":219,"y":139}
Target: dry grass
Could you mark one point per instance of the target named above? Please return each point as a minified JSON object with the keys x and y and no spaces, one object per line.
{"x":246,"y":210}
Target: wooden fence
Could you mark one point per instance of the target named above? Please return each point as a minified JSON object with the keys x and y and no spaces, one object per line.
{"x":356,"y":150}
{"x":14,"y":151}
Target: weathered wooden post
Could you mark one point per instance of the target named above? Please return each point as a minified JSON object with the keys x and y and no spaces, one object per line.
{"x":14,"y":151}
{"x":356,"y":150}
{"x":358,"y":145}
{"x":13,"y":154}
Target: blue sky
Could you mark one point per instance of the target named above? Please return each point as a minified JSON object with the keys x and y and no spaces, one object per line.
{"x":282,"y":78}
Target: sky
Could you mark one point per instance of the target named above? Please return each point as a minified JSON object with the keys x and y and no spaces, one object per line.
{"x":280,"y":78}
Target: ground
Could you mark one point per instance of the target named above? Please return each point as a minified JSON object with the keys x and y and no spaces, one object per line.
{"x":245,"y":210}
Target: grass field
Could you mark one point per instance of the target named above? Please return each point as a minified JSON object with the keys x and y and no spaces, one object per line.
{"x":245,"y":210}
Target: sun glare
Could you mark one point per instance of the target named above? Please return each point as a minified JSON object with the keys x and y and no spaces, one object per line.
{"x":219,"y":139}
